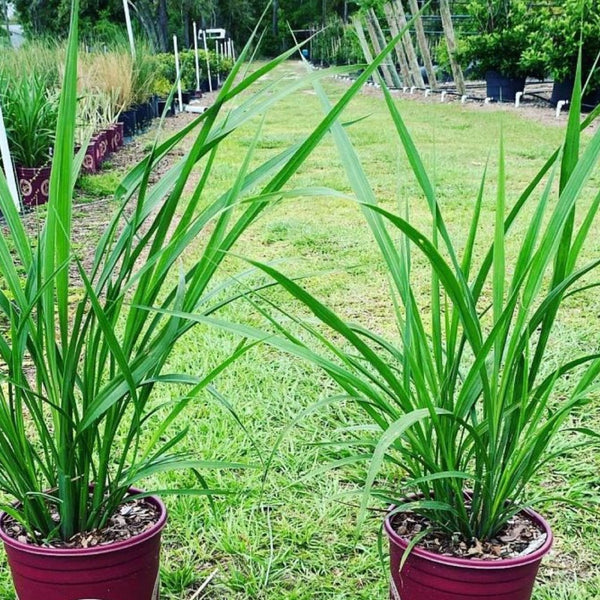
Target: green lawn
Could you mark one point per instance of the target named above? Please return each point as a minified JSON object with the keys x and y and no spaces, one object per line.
{"x":296,"y":538}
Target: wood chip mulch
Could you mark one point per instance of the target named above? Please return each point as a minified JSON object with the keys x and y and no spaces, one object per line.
{"x":519,"y":537}
{"x":133,"y":518}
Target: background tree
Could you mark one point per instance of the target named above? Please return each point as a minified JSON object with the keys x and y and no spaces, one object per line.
{"x":158,"y":20}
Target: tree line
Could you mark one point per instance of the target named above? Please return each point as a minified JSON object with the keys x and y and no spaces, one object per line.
{"x":159,"y":20}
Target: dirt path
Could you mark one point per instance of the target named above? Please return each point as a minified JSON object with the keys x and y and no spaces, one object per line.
{"x":90,"y":219}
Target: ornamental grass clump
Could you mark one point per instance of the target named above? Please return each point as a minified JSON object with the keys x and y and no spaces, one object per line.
{"x":466,"y":403}
{"x":110,"y":75}
{"x":30,"y":112}
{"x":84,"y":351}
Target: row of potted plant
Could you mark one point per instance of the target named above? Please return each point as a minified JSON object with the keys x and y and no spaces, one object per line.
{"x":509,"y":40}
{"x":464,"y":404}
{"x":219,"y":67}
{"x":503,"y":41}
{"x":116,"y":99}
{"x":31,"y":113}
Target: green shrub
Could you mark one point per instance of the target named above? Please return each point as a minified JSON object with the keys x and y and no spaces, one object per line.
{"x":167,"y":72}
{"x":503,"y":31}
{"x":555,"y":41}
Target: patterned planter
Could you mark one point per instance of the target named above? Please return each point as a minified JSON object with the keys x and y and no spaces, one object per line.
{"x":101,"y":147}
{"x":34,"y":184}
{"x":90,"y":163}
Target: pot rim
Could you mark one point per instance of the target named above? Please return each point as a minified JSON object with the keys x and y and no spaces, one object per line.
{"x":97,"y":550}
{"x":44,"y":167}
{"x":477,"y":563}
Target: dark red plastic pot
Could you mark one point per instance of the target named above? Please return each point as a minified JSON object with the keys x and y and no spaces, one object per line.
{"x":429,"y":576}
{"x":101,"y":147}
{"x":123,"y":571}
{"x":110,"y":139}
{"x":34,"y":184}
{"x":90,"y":162}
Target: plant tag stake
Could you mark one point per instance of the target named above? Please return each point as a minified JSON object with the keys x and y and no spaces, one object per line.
{"x":207,"y":60}
{"x":178,"y":71}
{"x":129,"y":28}
{"x":196,"y":57}
{"x":7,"y":163}
{"x":217,"y":55}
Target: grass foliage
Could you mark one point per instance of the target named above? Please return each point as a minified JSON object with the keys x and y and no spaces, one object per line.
{"x":463,"y":404}
{"x":81,"y":368}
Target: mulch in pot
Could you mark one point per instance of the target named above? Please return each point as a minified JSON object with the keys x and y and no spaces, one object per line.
{"x":519,"y":537}
{"x":132,"y":518}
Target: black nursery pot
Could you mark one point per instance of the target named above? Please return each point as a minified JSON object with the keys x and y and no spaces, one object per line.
{"x":186,"y":97}
{"x":590,"y":100}
{"x":129,"y":120}
{"x":149,"y":106}
{"x":154,"y":106}
{"x":501,"y":88}
{"x":161,"y":104}
{"x":141,"y":116}
{"x":561,"y":90}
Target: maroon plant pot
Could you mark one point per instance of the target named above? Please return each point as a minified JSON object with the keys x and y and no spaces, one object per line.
{"x":110,"y":139}
{"x":90,"y":162}
{"x":426,"y":575}
{"x":126,"y":570}
{"x":101,"y":147}
{"x":34,"y":184}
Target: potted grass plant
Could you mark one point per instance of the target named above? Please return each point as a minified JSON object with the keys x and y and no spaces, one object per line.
{"x":110,"y":76}
{"x":30,"y":112}
{"x":87,"y":339}
{"x":470,"y":400}
{"x":144,"y":76}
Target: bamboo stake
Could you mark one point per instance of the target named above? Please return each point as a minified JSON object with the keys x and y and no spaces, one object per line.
{"x":399,"y":48}
{"x":178,"y":72}
{"x":388,"y":59}
{"x":196,"y":57}
{"x":413,"y":63}
{"x":217,"y":53}
{"x":360,"y":33}
{"x":423,"y":45}
{"x":383,"y":67}
{"x":129,"y":27}
{"x":457,"y":73}
{"x":207,"y":61}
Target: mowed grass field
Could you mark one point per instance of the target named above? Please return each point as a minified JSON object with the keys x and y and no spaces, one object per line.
{"x":292,"y":536}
